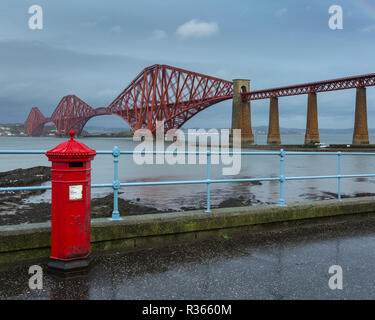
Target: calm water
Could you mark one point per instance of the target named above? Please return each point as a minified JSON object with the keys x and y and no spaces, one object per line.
{"x":194,"y":195}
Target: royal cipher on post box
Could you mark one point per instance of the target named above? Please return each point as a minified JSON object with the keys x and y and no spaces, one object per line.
{"x":71,"y":204}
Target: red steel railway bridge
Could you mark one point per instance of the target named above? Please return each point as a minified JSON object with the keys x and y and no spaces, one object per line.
{"x":174,"y":95}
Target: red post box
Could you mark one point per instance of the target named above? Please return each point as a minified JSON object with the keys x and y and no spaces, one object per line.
{"x":71,"y":204}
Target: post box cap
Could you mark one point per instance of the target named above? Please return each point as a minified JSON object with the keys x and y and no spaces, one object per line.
{"x":71,"y":149}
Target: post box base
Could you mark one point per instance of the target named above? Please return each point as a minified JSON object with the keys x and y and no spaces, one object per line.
{"x":69,"y":265}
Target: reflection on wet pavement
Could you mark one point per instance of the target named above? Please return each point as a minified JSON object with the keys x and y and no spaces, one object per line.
{"x":283,"y":264}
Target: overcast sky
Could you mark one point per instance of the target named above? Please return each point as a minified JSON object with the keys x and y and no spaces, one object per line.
{"x":93,"y":49}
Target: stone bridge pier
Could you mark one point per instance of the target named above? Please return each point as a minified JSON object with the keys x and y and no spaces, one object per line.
{"x":312,"y":128}
{"x":241,"y":112}
{"x":273,"y":136}
{"x":360,"y":134}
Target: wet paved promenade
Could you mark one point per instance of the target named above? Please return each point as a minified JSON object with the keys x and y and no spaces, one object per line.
{"x":286,"y":264}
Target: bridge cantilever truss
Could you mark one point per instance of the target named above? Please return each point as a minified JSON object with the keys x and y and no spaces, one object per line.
{"x":159,"y":92}
{"x":35,"y":122}
{"x":167,"y":93}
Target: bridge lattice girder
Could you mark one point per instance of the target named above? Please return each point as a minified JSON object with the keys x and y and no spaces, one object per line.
{"x":366,"y":80}
{"x":158,"y":93}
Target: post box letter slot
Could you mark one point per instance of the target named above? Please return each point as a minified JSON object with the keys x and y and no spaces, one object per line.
{"x":75,"y":164}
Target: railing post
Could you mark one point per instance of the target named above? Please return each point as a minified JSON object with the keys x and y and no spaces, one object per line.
{"x":339,"y":175}
{"x":115,"y":184}
{"x":208,"y":180}
{"x":282,"y":178}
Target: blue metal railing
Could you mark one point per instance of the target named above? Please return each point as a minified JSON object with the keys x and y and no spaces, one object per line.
{"x":116,"y":184}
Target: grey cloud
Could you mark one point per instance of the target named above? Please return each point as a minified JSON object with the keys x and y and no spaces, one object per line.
{"x":36,"y":74}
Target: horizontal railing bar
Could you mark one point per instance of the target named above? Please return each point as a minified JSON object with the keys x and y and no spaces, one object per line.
{"x":22,"y":151}
{"x":153,"y":183}
{"x":204,"y":152}
{"x":304,"y":153}
{"x":147,"y":152}
{"x":356,"y":175}
{"x":358,"y":154}
{"x":25,"y":188}
{"x":200,"y":152}
{"x":312,"y":177}
{"x":49,"y":187}
{"x":102,"y":185}
{"x":244,"y":180}
{"x":158,"y":183}
{"x":331,"y":177}
{"x":328,"y":153}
